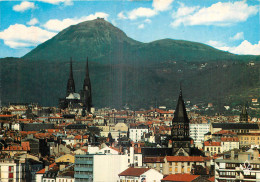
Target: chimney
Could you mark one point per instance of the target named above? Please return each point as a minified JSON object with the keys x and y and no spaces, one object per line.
{"x":232,"y":154}
{"x":46,"y":168}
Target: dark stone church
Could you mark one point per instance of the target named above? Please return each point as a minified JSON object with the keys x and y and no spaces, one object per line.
{"x":73,"y":100}
{"x":180,"y":137}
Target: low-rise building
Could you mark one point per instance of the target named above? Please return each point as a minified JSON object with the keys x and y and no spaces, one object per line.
{"x":140,"y":175}
{"x":183,"y":164}
{"x":247,"y":139}
{"x":236,"y":165}
{"x":136,"y":132}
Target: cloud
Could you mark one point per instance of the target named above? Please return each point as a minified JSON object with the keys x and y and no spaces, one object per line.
{"x":56,"y":2}
{"x":218,"y":45}
{"x":147,"y":21}
{"x":121,"y":15}
{"x":245,"y":48}
{"x":141,"y":26}
{"x":25,"y":5}
{"x":33,"y":21}
{"x":141,"y":12}
{"x":27,"y":36}
{"x":238,"y":36}
{"x":184,"y":11}
{"x":215,"y":43}
{"x":218,"y":14}
{"x":162,"y":5}
{"x":58,"y":25}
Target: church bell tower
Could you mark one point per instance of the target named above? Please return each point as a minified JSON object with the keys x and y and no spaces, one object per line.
{"x":180,"y":130}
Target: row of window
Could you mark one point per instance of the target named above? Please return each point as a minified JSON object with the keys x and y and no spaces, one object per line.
{"x":83,"y":172}
{"x":252,"y":138}
{"x":84,"y":158}
{"x":83,"y":165}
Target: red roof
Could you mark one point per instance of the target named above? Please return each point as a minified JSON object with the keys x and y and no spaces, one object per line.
{"x":209,"y":143}
{"x":186,"y":158}
{"x":42,"y":171}
{"x":229,"y":139}
{"x":153,"y":159}
{"x":180,"y":177}
{"x":225,"y":132}
{"x":212,"y":178}
{"x":131,"y":171}
{"x":6,"y":116}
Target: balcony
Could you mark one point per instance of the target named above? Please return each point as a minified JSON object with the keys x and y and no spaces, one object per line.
{"x":84,"y":176}
{"x":249,"y":177}
{"x":227,"y":176}
{"x":230,"y":167}
{"x":83,"y":169}
{"x":83,"y":162}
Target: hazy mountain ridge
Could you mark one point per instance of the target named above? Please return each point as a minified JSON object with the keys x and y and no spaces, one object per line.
{"x":104,"y":43}
{"x":125,"y":71}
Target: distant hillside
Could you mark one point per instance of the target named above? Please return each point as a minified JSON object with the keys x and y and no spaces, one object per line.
{"x":43,"y":82}
{"x":105,"y":43}
{"x":124,"y":71}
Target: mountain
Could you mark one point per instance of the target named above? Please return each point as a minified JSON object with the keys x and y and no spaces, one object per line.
{"x":104,"y":43}
{"x":124,"y":71}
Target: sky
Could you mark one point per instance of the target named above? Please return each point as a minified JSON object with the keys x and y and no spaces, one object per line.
{"x":229,"y":25}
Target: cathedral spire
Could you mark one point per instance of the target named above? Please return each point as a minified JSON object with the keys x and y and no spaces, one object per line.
{"x":71,"y":72}
{"x":87,"y":84}
{"x":180,"y":114}
{"x":86,"y":92}
{"x":70,"y":83}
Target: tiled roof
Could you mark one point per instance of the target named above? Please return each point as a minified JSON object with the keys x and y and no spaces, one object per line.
{"x":6,"y":116}
{"x":224,"y":132}
{"x":212,"y":178}
{"x":25,"y":146}
{"x":186,"y":158}
{"x":209,"y":143}
{"x":229,"y":139}
{"x":180,"y":177}
{"x":133,"y":171}
{"x":153,"y":159}
{"x":42,"y":171}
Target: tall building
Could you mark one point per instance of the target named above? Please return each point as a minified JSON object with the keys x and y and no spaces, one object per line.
{"x":75,"y":100}
{"x":243,"y":116}
{"x":86,"y":95}
{"x":70,"y":83}
{"x":197,"y":132}
{"x":181,"y":141}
